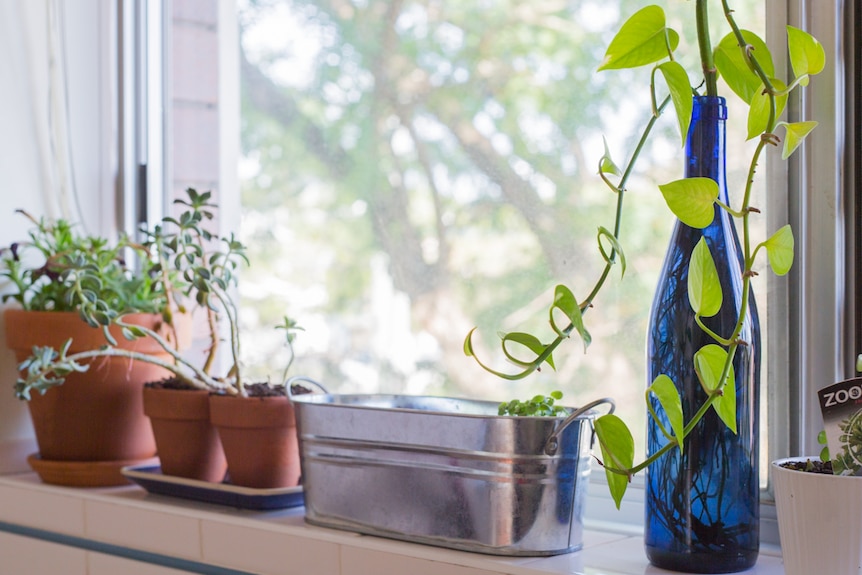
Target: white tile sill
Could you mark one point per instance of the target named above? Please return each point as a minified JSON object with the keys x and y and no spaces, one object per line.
{"x":281,"y":542}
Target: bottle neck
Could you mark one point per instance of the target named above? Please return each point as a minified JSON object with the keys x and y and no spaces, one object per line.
{"x":705,"y":145}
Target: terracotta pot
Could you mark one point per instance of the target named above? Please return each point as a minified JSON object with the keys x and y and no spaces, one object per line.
{"x":259,"y":439}
{"x":97,"y":415}
{"x":187,"y":443}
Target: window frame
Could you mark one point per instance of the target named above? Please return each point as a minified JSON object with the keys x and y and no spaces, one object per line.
{"x":141,"y":46}
{"x":807,"y":347}
{"x":811,"y":348}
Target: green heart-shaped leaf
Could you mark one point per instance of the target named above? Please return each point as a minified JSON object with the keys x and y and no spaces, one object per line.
{"x":704,"y":288}
{"x":604,"y":233}
{"x":607,"y":165}
{"x":779,"y":248}
{"x":468,"y":344}
{"x":758,"y":111}
{"x":668,"y":396}
{"x":709,"y":363}
{"x":565,"y":301}
{"x":680,"y":94}
{"x":795,"y":135}
{"x":807,"y":56}
{"x":641,"y":40}
{"x":618,"y":452}
{"x":725,"y":406}
{"x":692,"y":200}
{"x":527,"y":340}
{"x":734,"y":68}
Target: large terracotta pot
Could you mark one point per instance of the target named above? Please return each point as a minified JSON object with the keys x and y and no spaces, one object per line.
{"x":259,"y":439}
{"x":94,"y":423}
{"x":187,"y":443}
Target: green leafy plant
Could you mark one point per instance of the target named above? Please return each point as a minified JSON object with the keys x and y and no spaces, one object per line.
{"x":184,"y":261}
{"x":745,"y":63}
{"x":60,"y":269}
{"x":822,"y":440}
{"x":538,"y":406}
{"x":851,"y":445}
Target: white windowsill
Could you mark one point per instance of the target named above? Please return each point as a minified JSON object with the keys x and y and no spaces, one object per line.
{"x":281,"y":542}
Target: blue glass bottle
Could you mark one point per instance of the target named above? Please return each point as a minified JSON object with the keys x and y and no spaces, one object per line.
{"x":702,"y":507}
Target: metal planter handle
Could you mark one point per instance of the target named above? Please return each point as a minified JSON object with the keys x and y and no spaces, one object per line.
{"x":553,"y":442}
{"x":551,"y":445}
{"x":301,"y":378}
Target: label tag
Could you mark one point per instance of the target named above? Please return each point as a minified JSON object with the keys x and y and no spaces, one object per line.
{"x":841,"y":406}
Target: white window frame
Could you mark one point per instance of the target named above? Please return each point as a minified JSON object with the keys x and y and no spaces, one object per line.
{"x":810,"y":312}
{"x":812,"y":340}
{"x":141,"y":182}
{"x":811,"y":317}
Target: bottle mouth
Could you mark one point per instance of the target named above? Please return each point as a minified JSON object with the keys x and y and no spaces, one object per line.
{"x":710,"y":107}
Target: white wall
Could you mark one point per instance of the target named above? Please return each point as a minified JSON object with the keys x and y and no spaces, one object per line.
{"x":49,"y":166}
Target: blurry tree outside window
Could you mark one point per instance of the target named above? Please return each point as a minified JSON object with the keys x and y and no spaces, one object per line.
{"x":412,"y":169}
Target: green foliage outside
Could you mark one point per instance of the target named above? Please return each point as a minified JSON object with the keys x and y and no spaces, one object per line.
{"x":444,"y":154}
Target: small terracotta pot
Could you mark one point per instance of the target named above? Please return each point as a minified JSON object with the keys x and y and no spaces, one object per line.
{"x":187,"y":443}
{"x":96,"y":416}
{"x":259,"y":439}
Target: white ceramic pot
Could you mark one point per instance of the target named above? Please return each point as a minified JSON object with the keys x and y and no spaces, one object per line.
{"x":819,"y":521}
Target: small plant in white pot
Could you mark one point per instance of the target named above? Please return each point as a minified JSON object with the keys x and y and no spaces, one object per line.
{"x":819,"y":518}
{"x":819,"y":499}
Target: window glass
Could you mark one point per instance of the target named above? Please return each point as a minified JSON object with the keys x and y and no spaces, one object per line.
{"x":411,"y":170}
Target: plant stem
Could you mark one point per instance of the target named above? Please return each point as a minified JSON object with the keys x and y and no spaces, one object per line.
{"x":710,"y":76}
{"x":621,"y":190}
{"x":212,"y":326}
{"x":203,"y":378}
{"x":748,"y":261}
{"x":233,"y":322}
{"x":587,"y":302}
{"x":171,"y":305}
{"x":207,"y":384}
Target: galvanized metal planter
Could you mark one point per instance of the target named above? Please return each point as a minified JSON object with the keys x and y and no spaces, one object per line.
{"x":445,"y":472}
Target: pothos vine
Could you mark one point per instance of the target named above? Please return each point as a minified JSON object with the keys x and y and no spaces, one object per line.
{"x":744,"y":61}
